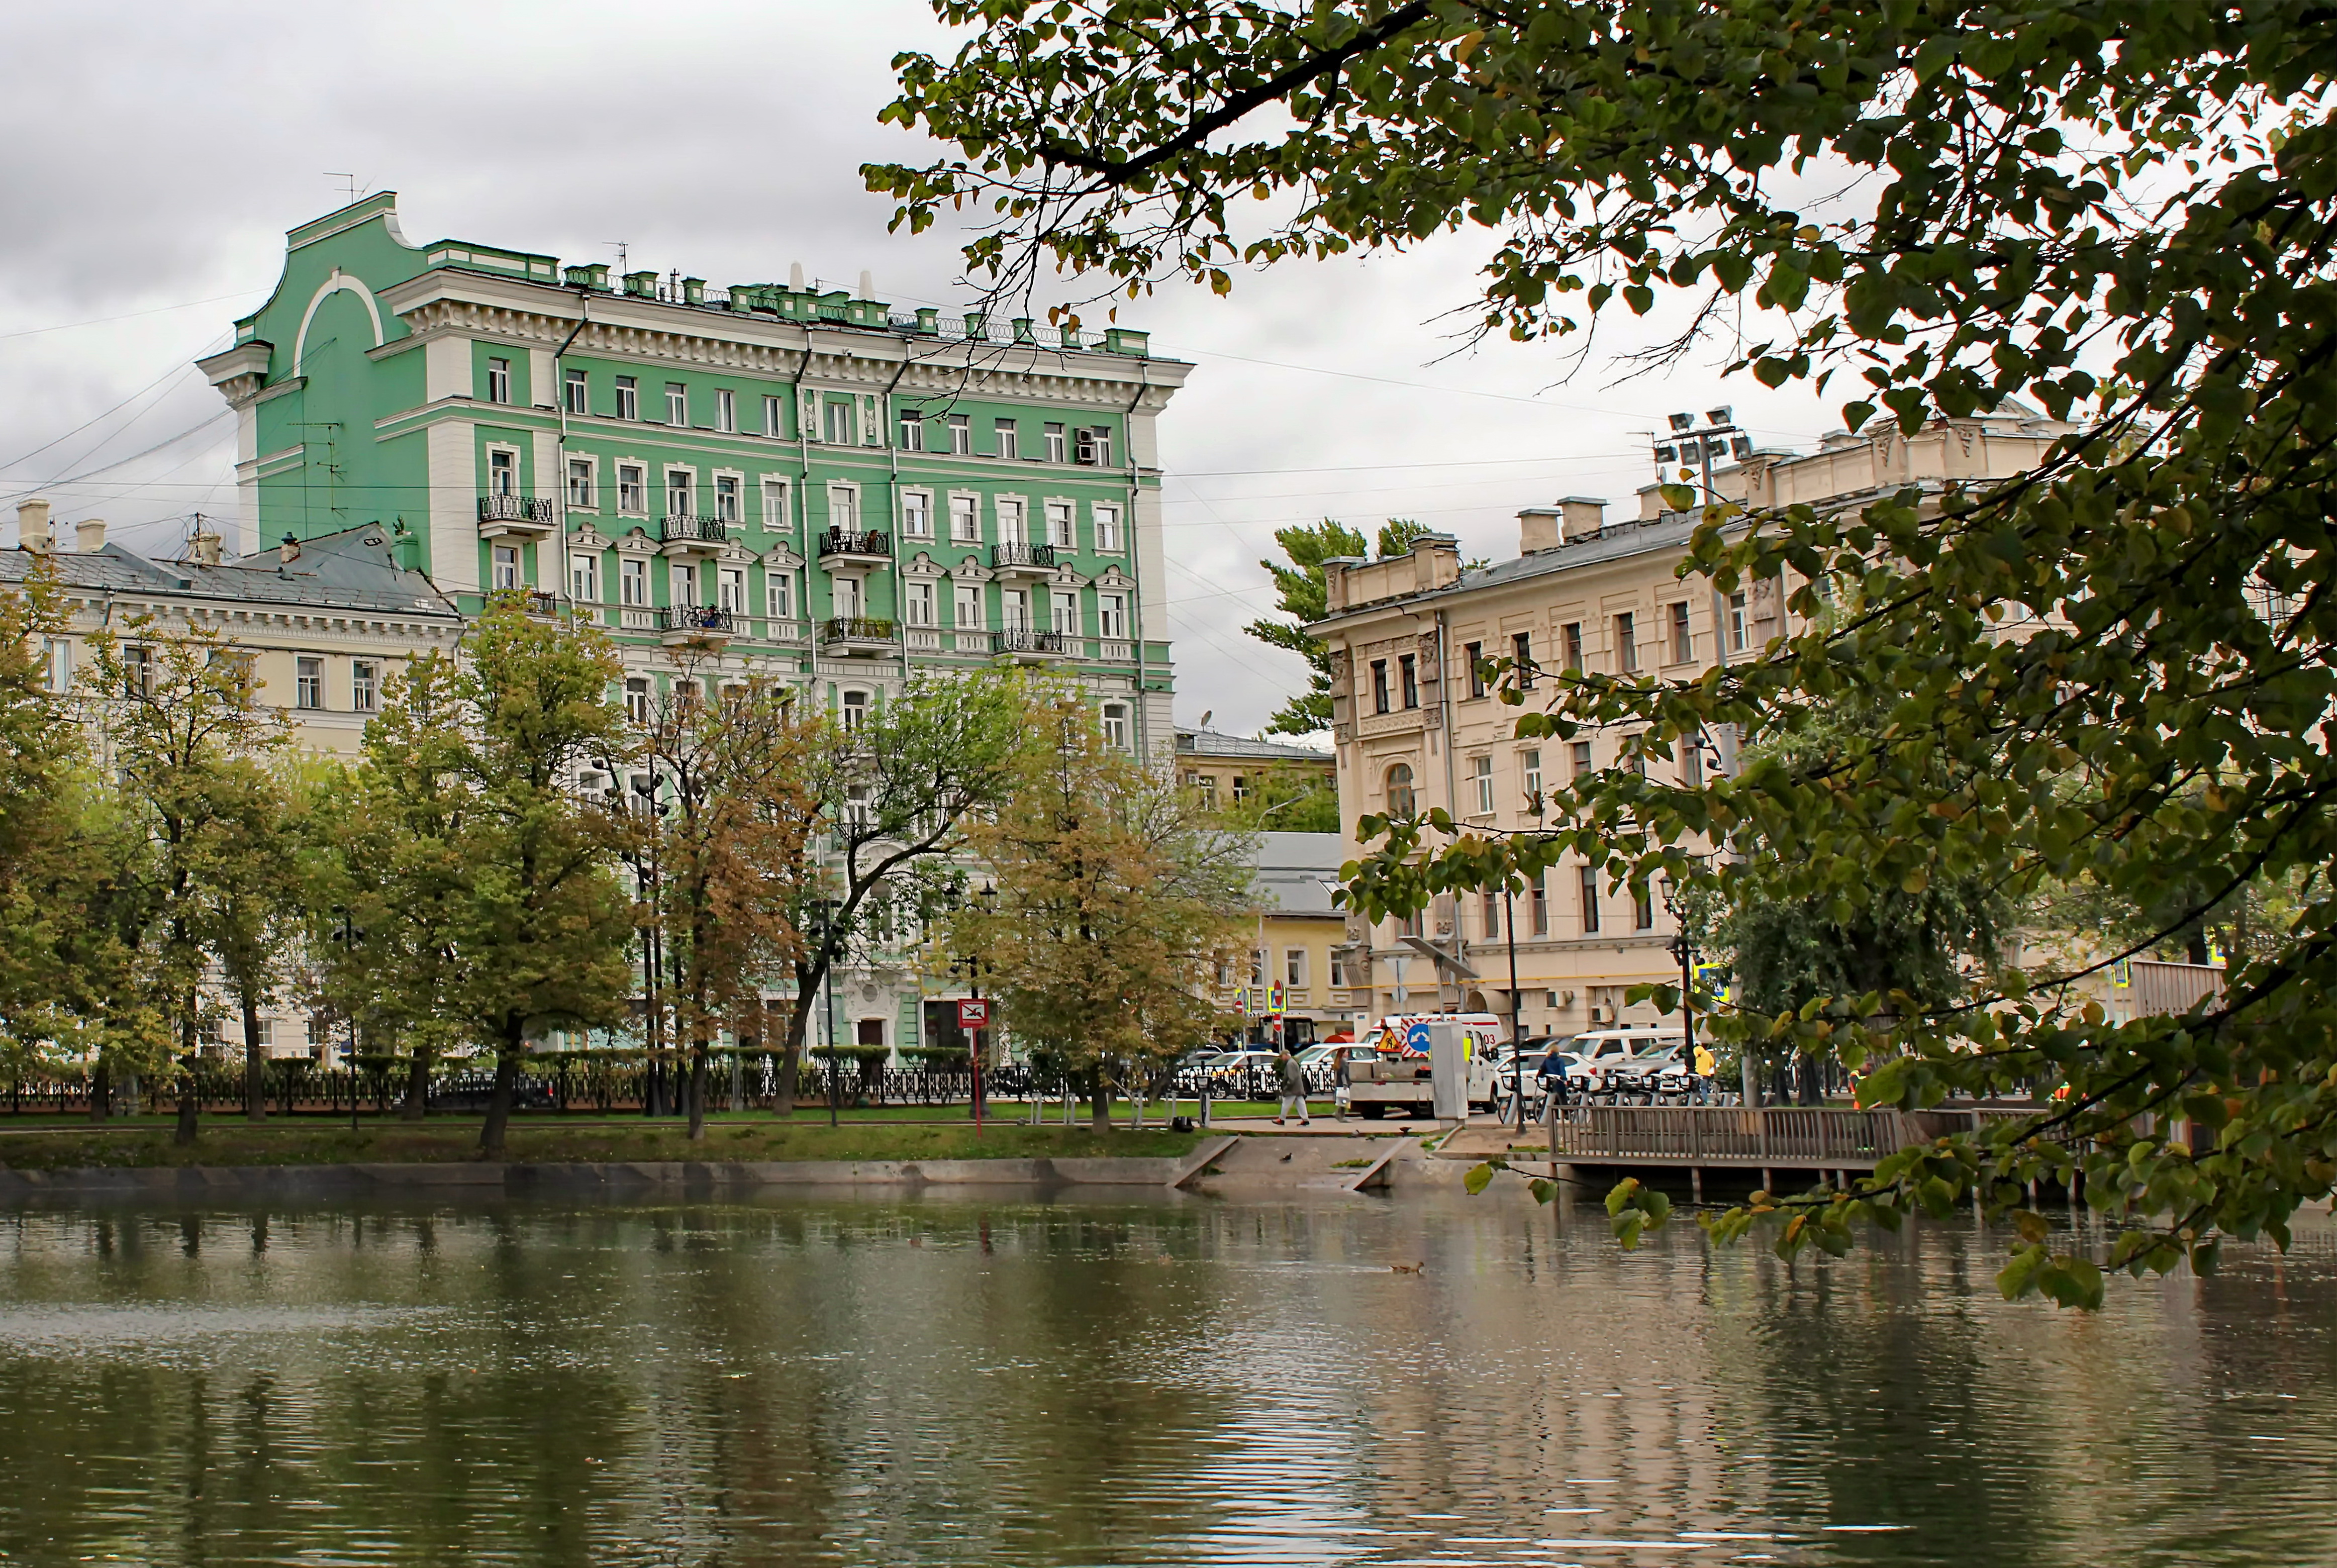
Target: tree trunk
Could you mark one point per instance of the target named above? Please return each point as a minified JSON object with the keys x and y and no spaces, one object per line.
{"x":1100,"y":1102}
{"x":100,"y":1091}
{"x":697,"y":1091}
{"x":191,"y":1104}
{"x":499,"y":1103}
{"x":791,"y":1056}
{"x":255,"y":1065}
{"x":417,"y":1085}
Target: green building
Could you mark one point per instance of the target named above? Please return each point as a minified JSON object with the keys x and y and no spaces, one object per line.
{"x":829,"y":489}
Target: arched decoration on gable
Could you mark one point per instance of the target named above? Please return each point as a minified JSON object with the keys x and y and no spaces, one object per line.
{"x":335,"y":283}
{"x":779,"y":558}
{"x":587,"y":537}
{"x":970,"y":570}
{"x":922,"y":566}
{"x":1113,"y":578}
{"x":637,"y":543}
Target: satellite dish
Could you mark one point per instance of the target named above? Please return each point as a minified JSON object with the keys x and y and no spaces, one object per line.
{"x":1207,"y":714}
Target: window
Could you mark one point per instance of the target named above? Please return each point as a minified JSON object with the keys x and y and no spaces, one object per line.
{"x":844,"y":507}
{"x":966,"y":519}
{"x":730,"y":590}
{"x":676,"y":492}
{"x":499,"y":381}
{"x":1241,"y":787}
{"x":1010,"y":522}
{"x":634,"y":582}
{"x":1472,"y":653}
{"x":966,"y":612}
{"x":1066,"y":618}
{"x":1408,"y":668}
{"x":1643,"y":913}
{"x":138,"y":672}
{"x":726,"y":498}
{"x":1580,"y":763}
{"x":837,"y":430}
{"x":1572,"y":637}
{"x":637,"y":698}
{"x":1737,"y":623}
{"x":1626,"y":643}
{"x":1587,"y":880}
{"x":912,"y":431}
{"x":1338,"y":971}
{"x":57,"y":663}
{"x":1521,"y":650}
{"x":1056,"y":445}
{"x":503,"y":473}
{"x":578,"y":392}
{"x":1399,"y":790}
{"x":1683,"y":644}
{"x":505,"y":565}
{"x":1538,"y":904}
{"x":1294,"y":967}
{"x":629,"y":397}
{"x":584,"y":579}
{"x":775,"y":423}
{"x":919,"y":604}
{"x":844,"y":597}
{"x":1059,"y":525}
{"x":1111,"y":616}
{"x":1491,"y":910}
{"x":1379,"y":686}
{"x":681,"y":582}
{"x":1115,"y":726}
{"x":780,"y":595}
{"x":1530,"y":777}
{"x":916,"y":514}
{"x":726,"y":409}
{"x":1006,"y":435}
{"x":309,"y":682}
{"x":1095,"y":446}
{"x":1106,"y":529}
{"x":853,"y":709}
{"x":580,"y":482}
{"x":961,"y":429}
{"x":632,"y":488}
{"x":676,"y":404}
{"x":858,"y":810}
{"x":365,"y":684}
{"x":1480,"y":772}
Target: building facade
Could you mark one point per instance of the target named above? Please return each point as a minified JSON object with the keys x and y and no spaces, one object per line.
{"x":1297,"y":959}
{"x":1415,"y":728}
{"x":816,"y":487}
{"x":1224,"y":768}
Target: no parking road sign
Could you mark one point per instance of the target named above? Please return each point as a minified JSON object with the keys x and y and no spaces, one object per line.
{"x":973,"y":1013}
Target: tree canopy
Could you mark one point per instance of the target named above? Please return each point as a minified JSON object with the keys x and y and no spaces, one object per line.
{"x":1301,"y":594}
{"x":2113,"y":669}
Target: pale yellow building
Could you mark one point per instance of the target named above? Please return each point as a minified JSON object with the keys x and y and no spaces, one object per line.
{"x":1225,"y":769}
{"x":1415,"y":729}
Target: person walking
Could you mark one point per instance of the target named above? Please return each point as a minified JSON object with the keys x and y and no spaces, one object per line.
{"x":1705,"y":1064}
{"x":1294,"y":1087}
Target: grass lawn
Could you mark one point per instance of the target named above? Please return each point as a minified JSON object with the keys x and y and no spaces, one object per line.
{"x":317,"y":1142}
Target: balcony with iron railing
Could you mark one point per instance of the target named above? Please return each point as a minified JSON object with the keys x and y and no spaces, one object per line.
{"x":687,"y":531}
{"x":542,"y":605}
{"x":1015,"y":556}
{"x":1034,"y":643}
{"x":515,"y":514}
{"x":696,"y":623}
{"x":869,"y":633}
{"x":856,"y":544}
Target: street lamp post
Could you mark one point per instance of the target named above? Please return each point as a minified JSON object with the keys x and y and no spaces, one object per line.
{"x":349,"y":937}
{"x":971,"y":966}
{"x":1516,"y":1012}
{"x":1675,"y":906}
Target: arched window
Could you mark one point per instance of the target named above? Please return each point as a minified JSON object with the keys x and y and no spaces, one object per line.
{"x":1399,"y":790}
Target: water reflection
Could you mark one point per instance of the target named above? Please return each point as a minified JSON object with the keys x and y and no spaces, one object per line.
{"x":1182,"y":1382}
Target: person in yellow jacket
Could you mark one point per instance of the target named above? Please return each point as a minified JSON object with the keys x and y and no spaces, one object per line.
{"x":1705,"y":1065}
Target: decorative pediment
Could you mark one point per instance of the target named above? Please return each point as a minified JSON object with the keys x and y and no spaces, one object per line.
{"x":1113,"y":579}
{"x":1064,"y":577}
{"x":779,"y":558}
{"x":970,"y":570}
{"x":587,"y":537}
{"x":636,"y":542}
{"x":922,"y":566}
{"x":734,"y":554}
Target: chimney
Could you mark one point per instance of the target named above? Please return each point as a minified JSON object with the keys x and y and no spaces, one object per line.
{"x":1538,"y":530}
{"x":1581,"y":516}
{"x":288,"y":551}
{"x":795,"y":277}
{"x":205,"y":546}
{"x":90,"y":536}
{"x":868,"y":285}
{"x":33,"y":527}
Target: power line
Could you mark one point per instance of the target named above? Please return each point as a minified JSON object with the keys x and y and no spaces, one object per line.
{"x":125,"y":316}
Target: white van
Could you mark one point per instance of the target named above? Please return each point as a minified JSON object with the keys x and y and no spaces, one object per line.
{"x":1395,"y":1078}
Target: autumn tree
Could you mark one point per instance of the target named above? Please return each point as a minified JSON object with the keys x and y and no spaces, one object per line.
{"x":2119,"y":212}
{"x":1116,"y":898}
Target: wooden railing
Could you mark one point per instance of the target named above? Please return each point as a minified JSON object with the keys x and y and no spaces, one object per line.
{"x":1795,"y":1136}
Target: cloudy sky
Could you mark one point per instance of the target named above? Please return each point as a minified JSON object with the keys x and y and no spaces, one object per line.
{"x":159,"y":152}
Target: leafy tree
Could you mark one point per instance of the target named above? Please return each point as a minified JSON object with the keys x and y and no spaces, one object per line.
{"x":1116,"y":898}
{"x":733,"y":820}
{"x":1301,"y":597}
{"x":1284,"y":798}
{"x":892,"y":797}
{"x":182,"y":727}
{"x":2119,"y":212}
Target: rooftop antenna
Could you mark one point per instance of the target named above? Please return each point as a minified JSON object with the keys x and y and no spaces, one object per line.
{"x":349,"y":182}
{"x":619,"y":244}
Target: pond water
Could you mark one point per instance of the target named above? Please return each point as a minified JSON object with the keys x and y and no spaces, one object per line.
{"x":1184,"y":1382}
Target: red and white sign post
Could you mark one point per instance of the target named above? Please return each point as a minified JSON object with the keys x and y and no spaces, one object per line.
{"x":973,"y":1014}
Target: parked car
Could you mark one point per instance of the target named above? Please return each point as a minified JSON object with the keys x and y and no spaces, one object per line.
{"x":468,"y":1093}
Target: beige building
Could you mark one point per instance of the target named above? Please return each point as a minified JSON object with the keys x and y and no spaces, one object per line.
{"x":1300,"y":938}
{"x":1226,"y":767}
{"x":1415,"y":729}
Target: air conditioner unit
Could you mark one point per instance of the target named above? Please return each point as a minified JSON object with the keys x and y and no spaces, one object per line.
{"x":1601,"y":1014}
